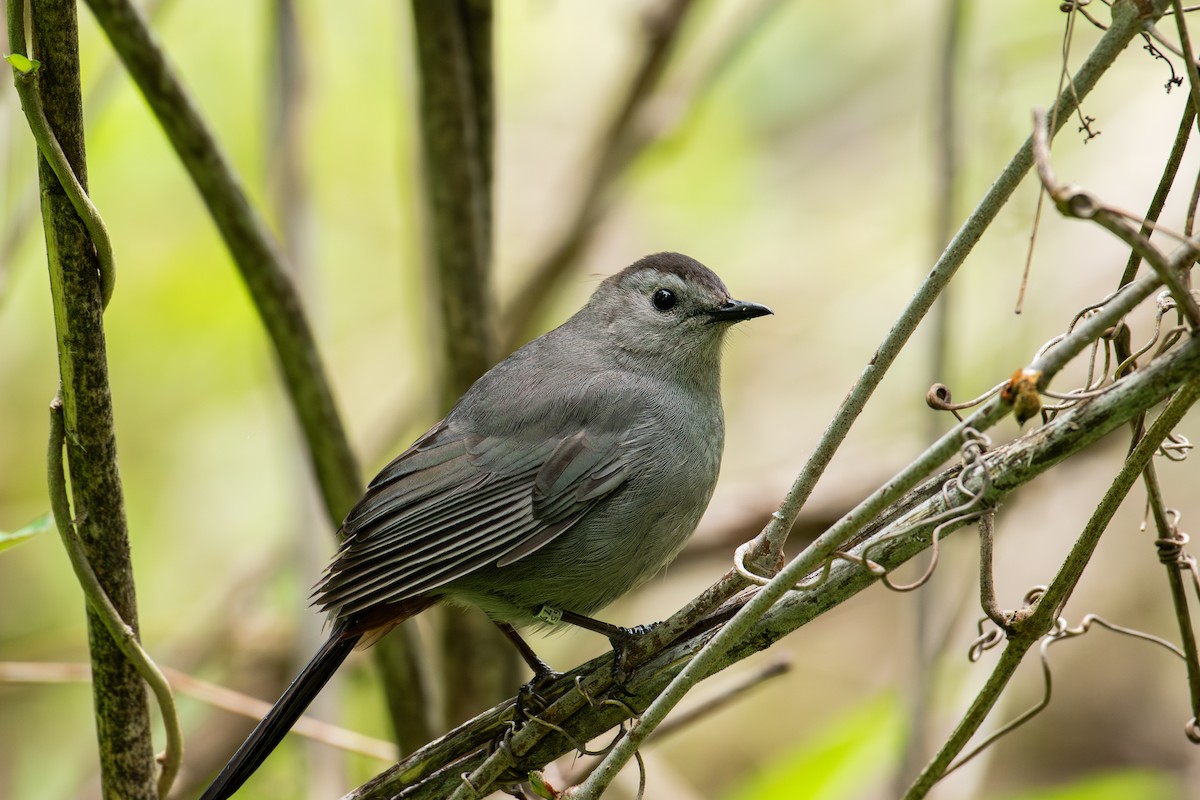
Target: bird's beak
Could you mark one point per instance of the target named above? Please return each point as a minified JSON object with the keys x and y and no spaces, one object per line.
{"x":738,"y":310}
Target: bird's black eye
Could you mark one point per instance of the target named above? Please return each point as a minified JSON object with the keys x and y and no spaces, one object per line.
{"x":663,"y":299}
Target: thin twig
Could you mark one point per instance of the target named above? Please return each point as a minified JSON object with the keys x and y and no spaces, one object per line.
{"x":306,"y":726}
{"x":1190,"y":220}
{"x":1189,"y":58}
{"x":52,"y":151}
{"x":186,"y":685}
{"x":987,"y":582}
{"x":618,"y":145}
{"x":1164,"y":188}
{"x":1036,"y":223}
{"x":684,"y":717}
{"x":1072,"y":201}
{"x":1170,"y":544}
{"x":123,"y":635}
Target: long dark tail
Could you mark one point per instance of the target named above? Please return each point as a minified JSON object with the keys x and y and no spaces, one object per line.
{"x":283,"y":715}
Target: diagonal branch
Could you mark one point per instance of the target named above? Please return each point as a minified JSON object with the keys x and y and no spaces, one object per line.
{"x":254,"y":249}
{"x":1127,"y":23}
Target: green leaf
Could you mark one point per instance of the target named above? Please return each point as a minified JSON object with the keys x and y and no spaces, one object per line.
{"x":23,"y":64}
{"x":538,"y":784}
{"x":39,"y":525}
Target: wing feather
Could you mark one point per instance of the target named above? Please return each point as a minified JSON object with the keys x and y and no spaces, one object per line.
{"x":391,"y":585}
{"x":459,"y":499}
{"x":405,"y":531}
{"x":397,"y":564}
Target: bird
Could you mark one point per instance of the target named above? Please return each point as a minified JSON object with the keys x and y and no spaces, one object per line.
{"x":568,"y":474}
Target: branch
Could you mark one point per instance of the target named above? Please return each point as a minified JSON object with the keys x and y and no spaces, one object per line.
{"x":1071,"y":201}
{"x":454,"y":54}
{"x":122,"y":634}
{"x":187,"y":685}
{"x":1127,"y":23}
{"x":617,"y":146}
{"x":252,"y":246}
{"x":1170,"y":546}
{"x":78,"y":291}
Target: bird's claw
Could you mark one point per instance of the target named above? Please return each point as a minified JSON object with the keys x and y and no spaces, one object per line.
{"x":622,"y":640}
{"x":530,"y":701}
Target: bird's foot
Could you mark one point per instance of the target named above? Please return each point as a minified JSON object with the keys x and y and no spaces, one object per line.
{"x":622,"y":641}
{"x":530,"y":698}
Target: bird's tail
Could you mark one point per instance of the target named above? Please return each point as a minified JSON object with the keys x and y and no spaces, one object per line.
{"x":279,"y":720}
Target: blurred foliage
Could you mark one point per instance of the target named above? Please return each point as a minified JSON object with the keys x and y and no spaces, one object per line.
{"x":847,"y":757}
{"x":26,"y":532}
{"x":803,"y":176}
{"x":1117,"y":786}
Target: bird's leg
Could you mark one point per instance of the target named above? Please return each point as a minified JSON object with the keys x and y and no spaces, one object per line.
{"x":541,"y":670}
{"x":620,"y":638}
{"x":614,"y":633}
{"x":528,"y":695}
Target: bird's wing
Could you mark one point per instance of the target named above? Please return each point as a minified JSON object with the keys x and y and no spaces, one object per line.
{"x":455,"y":501}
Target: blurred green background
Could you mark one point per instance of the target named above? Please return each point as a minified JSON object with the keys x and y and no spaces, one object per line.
{"x":803,"y":175}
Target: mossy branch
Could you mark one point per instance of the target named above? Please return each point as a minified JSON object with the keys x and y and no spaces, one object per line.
{"x":80,"y":271}
{"x":123,"y":635}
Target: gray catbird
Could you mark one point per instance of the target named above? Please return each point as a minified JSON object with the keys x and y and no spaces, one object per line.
{"x":570,"y":473}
